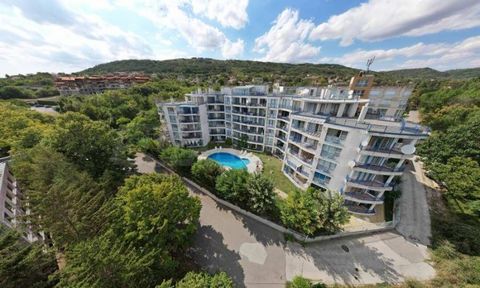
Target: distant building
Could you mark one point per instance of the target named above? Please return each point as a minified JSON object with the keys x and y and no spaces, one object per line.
{"x":12,"y":206}
{"x":72,"y":85}
{"x":351,"y":139}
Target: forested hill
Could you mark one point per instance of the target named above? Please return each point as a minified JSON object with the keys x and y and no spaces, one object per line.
{"x":205,"y":67}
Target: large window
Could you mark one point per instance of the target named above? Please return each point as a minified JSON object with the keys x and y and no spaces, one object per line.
{"x":330,"y":152}
{"x":326,"y":166}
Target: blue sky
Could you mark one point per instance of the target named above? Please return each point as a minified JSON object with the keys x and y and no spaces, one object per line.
{"x":71,"y":35}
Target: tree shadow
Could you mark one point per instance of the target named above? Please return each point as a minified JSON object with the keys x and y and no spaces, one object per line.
{"x":349,"y":260}
{"x":261,"y":232}
{"x":210,"y":253}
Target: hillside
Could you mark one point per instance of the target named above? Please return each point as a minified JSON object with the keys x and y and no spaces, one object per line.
{"x":205,"y":68}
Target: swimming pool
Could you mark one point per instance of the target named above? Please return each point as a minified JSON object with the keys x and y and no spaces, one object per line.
{"x":229,"y":160}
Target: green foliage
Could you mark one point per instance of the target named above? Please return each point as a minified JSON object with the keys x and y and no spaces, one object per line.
{"x":107,"y":262}
{"x":301,"y":282}
{"x":204,"y":280}
{"x":9,"y":92}
{"x":461,"y":176}
{"x":21,"y":128}
{"x":80,"y":205}
{"x":91,"y":145}
{"x":232,"y":186}
{"x":206,"y":172}
{"x":23,"y":264}
{"x":180,"y":159}
{"x":156,"y":210}
{"x":313,"y":211}
{"x":261,"y":196}
{"x":461,"y":140}
{"x":144,"y":125}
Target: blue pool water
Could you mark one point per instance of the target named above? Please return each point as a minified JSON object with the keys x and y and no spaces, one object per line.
{"x":229,"y":160}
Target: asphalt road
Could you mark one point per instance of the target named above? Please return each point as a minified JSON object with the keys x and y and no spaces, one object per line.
{"x":255,"y":255}
{"x":414,"y":221}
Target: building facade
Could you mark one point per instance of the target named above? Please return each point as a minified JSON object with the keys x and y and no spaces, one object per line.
{"x":12,"y":206}
{"x":349,"y":139}
{"x":74,"y":85}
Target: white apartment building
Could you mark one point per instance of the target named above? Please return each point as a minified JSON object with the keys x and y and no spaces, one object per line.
{"x":349,"y":139}
{"x":12,"y":208}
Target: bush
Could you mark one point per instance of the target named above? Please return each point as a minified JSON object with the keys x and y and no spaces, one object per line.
{"x":301,"y":282}
{"x":314,"y":211}
{"x":206,"y":172}
{"x":232,"y":186}
{"x":204,"y":280}
{"x":261,"y":196}
{"x":180,"y":159}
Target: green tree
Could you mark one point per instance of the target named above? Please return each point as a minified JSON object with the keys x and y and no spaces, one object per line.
{"x":23,"y":264}
{"x":205,"y":280}
{"x":312,"y":211}
{"x":180,"y":159}
{"x":232,"y":186}
{"x":91,"y":145}
{"x":461,"y":176}
{"x":21,"y":128}
{"x":64,"y":202}
{"x":108,"y":262}
{"x":261,"y":194}
{"x":301,"y":282}
{"x":206,"y":172}
{"x":156,"y":210}
{"x":144,"y":125}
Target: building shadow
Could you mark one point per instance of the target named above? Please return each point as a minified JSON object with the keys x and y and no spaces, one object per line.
{"x":348,"y":261}
{"x":210,"y":252}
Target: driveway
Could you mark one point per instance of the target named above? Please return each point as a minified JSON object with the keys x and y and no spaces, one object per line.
{"x":255,"y":255}
{"x":413,"y":209}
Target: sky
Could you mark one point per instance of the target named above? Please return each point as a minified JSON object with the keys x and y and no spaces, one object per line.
{"x":72,"y":35}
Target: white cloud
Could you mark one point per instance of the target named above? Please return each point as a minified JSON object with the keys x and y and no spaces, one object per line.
{"x":382,"y":19}
{"x":441,"y":56}
{"x":227,"y":13}
{"x":286,"y":39}
{"x":62,"y":40}
{"x":199,"y":35}
{"x":232,"y":49}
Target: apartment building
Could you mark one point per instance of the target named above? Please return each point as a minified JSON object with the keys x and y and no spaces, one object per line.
{"x":12,"y":207}
{"x":73,"y":85}
{"x":349,"y":139}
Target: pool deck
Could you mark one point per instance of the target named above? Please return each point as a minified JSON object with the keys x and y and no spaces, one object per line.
{"x":254,"y":166}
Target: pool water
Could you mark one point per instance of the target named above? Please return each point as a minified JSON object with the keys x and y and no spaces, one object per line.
{"x":229,"y":160}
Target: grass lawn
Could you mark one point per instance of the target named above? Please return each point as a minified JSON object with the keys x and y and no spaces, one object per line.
{"x":272,"y":167}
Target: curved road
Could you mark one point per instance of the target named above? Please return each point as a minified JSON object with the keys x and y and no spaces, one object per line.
{"x":255,"y":255}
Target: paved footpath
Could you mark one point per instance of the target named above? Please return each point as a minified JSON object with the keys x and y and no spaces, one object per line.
{"x":255,"y":255}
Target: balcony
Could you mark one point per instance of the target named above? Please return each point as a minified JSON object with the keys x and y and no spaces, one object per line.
{"x":310,"y":132}
{"x":362,"y":197}
{"x":284,"y":118}
{"x":334,"y":140}
{"x":302,"y":158}
{"x":373,"y":185}
{"x":379,"y":169}
{"x":216,"y":117}
{"x":360,"y":210}
{"x":394,"y":152}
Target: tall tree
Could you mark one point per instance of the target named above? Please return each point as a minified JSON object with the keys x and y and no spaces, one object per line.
{"x":91,"y":145}
{"x":64,"y":202}
{"x":23,"y":264}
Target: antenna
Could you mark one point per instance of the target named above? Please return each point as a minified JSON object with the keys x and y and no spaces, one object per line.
{"x":370,"y":62}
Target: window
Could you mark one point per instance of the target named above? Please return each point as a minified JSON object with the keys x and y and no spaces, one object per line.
{"x":330,"y":152}
{"x":321,"y":178}
{"x":326,"y":166}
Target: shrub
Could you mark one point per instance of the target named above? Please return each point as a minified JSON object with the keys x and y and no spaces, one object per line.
{"x":313,"y":211}
{"x":232,"y":186}
{"x":261,"y":195}
{"x":204,"y":280}
{"x":206,"y":172}
{"x":180,"y":159}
